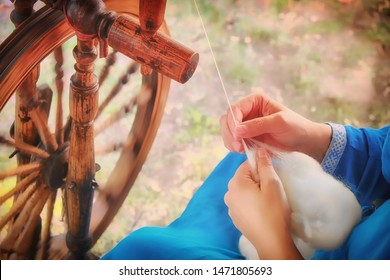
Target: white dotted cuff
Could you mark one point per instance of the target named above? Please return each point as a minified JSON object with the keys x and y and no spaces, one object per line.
{"x":336,"y":148}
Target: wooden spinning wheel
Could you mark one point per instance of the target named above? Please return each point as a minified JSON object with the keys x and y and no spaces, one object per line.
{"x":55,"y":157}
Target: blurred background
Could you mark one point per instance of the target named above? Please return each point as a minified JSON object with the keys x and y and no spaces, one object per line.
{"x":328,"y":60}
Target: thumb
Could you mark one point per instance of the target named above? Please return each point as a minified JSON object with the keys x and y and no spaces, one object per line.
{"x":265,"y":169}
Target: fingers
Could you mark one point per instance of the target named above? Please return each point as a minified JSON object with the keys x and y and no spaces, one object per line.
{"x":233,"y":117}
{"x":231,"y":141}
{"x":256,"y":127}
{"x":267,"y":175}
{"x":228,"y":123}
{"x":240,"y":182}
{"x":264,"y":162}
{"x":252,"y":116}
{"x":241,"y":177}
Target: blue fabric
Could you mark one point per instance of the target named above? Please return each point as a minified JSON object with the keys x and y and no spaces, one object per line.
{"x":360,"y":166}
{"x":386,"y":158}
{"x":364,"y":166}
{"x":369,"y":240}
{"x":203,"y":231}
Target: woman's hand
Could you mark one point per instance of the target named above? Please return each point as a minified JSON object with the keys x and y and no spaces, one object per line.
{"x":260,"y":209}
{"x":265,"y":120}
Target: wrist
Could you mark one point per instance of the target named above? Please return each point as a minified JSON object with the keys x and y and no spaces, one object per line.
{"x":319,"y":138}
{"x":277,"y":246}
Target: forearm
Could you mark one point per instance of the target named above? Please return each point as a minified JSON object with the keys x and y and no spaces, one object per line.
{"x":276,"y":246}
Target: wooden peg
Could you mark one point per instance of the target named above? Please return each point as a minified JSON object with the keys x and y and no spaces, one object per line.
{"x":159,"y":52}
{"x":151,"y":15}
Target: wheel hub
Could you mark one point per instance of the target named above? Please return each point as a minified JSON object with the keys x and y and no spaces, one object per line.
{"x":55,"y":167}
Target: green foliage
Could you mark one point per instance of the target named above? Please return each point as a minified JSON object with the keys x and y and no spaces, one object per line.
{"x":303,"y":84}
{"x":281,"y":5}
{"x":240,"y":71}
{"x":379,"y":113}
{"x":211,"y":12}
{"x":198,"y":124}
{"x":263,"y":34}
{"x":245,"y":26}
{"x":380,"y":16}
{"x":380,"y":33}
{"x":355,"y":54}
{"x":325,"y":26}
{"x":338,"y":109}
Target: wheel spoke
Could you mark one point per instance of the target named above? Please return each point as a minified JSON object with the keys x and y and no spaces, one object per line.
{"x":17,"y":205}
{"x":46,"y":234}
{"x":108,"y":149}
{"x":122,"y":81}
{"x":25,"y":239}
{"x":24,"y":148}
{"x":21,"y":219}
{"x":45,"y":95}
{"x":141,"y":98}
{"x":20,"y":186}
{"x":44,"y":132}
{"x":113,"y":118}
{"x":58,"y":55}
{"x":111,"y":59}
{"x":20,"y":170}
{"x":67,"y":127}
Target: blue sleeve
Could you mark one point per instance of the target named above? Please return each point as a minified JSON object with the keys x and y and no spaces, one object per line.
{"x":355,"y":158}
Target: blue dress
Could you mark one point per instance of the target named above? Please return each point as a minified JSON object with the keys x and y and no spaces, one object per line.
{"x":361,"y":159}
{"x":358,"y":157}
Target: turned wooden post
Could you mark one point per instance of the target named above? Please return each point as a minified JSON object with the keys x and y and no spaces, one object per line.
{"x":24,"y":130}
{"x":22,"y":10}
{"x":151,"y":15}
{"x":92,"y":23}
{"x":81,"y":173}
{"x":26,"y":94}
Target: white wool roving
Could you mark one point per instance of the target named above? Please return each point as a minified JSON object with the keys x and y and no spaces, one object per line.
{"x":323,"y":209}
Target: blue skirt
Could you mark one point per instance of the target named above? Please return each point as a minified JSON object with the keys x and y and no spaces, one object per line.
{"x":205,"y":230}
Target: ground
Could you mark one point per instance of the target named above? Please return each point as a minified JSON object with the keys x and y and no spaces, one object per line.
{"x":310,"y":55}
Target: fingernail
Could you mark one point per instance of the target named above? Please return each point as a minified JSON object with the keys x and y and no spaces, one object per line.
{"x":240,"y":129}
{"x":236,"y":146}
{"x":262,"y":153}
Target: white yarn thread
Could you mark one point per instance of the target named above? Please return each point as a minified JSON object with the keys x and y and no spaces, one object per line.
{"x":215,"y":63}
{"x":249,"y":151}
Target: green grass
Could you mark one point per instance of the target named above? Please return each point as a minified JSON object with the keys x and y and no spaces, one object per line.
{"x":380,"y":33}
{"x":250,"y":26}
{"x":338,"y":110}
{"x":281,"y":5}
{"x":379,"y":113}
{"x":323,"y":27}
{"x":197,"y":125}
{"x":240,"y":70}
{"x":356,"y":53}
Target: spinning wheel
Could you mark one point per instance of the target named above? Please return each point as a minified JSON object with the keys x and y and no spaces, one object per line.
{"x":57,"y":157}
